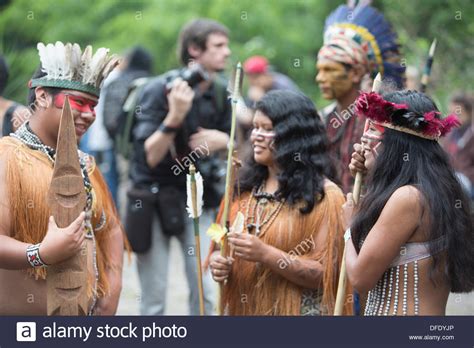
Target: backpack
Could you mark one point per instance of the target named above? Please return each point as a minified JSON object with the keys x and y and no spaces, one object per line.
{"x":127,"y":119}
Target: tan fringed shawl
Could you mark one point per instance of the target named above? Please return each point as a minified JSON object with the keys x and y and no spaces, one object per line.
{"x":28,"y":175}
{"x":255,"y":290}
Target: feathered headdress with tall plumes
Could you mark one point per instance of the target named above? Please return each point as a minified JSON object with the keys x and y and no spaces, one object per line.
{"x":67,"y":67}
{"x":365,"y":25}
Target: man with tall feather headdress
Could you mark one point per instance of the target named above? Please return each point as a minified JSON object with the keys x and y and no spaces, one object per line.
{"x":358,"y":43}
{"x":30,"y":239}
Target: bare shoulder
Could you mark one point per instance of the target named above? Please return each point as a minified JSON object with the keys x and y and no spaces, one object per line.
{"x":404,"y":207}
{"x":407,"y":196}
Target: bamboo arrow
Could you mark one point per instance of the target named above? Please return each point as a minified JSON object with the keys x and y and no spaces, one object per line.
{"x":228,"y":178}
{"x":67,"y":281}
{"x":194,"y":207}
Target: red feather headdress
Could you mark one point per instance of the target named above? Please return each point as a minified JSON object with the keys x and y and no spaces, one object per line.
{"x":400,"y":118}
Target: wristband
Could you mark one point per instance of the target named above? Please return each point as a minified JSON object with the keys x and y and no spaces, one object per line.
{"x":33,"y":256}
{"x":347,"y":235}
{"x":167,"y":130}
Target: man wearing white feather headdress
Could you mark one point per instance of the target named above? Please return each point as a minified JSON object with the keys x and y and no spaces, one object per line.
{"x":28,"y":241}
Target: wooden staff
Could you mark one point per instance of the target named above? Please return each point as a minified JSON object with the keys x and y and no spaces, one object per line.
{"x":341,"y":288}
{"x":196,"y":204}
{"x":67,"y":281}
{"x":228,"y":178}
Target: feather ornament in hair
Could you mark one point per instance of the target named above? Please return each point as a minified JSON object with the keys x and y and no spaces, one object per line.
{"x":112,"y":62}
{"x":86,"y":62}
{"x":76,"y":66}
{"x":48,"y":60}
{"x":448,"y":123}
{"x":96,"y":65}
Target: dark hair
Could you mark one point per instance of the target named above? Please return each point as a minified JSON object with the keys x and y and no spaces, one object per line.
{"x":196,"y":33}
{"x":139,"y":58}
{"x":31,"y":99}
{"x":300,"y":150}
{"x":427,"y":169}
{"x":4,"y":73}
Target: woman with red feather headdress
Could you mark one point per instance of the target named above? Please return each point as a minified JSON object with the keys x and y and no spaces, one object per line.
{"x":410,"y":241}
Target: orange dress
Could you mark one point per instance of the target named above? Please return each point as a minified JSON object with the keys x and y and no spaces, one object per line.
{"x":28,"y":176}
{"x":253,"y":289}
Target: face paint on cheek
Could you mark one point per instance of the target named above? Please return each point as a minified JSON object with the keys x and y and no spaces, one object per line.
{"x":372,"y":138}
{"x":77,"y":103}
{"x":375,"y":151}
{"x":339,"y":83}
{"x":339,"y":76}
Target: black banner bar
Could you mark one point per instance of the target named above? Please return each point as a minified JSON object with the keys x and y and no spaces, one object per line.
{"x":172,"y":331}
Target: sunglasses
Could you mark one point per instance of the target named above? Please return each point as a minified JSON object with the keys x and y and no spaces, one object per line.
{"x":78,"y":103}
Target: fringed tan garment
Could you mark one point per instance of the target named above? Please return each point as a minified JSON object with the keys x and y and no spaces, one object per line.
{"x":29,"y":174}
{"x":253,"y":289}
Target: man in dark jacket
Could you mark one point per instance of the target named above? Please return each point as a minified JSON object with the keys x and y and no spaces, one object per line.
{"x":178,"y":124}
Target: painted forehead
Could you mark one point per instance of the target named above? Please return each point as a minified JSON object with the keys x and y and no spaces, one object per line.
{"x":79,"y":94}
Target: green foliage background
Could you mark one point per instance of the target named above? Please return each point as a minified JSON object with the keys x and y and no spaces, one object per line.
{"x":282,"y":30}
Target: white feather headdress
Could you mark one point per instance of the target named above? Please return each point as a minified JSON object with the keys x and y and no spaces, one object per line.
{"x":67,"y":67}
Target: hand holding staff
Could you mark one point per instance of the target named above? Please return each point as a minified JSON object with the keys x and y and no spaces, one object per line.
{"x":341,"y":288}
{"x":228,"y":179}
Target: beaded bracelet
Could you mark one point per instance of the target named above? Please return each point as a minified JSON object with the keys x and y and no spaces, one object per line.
{"x":33,"y":256}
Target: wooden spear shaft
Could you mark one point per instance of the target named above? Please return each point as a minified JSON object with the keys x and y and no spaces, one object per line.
{"x":192,"y":173}
{"x":341,"y":288}
{"x":67,"y":282}
{"x":228,"y":179}
{"x":427,"y":72}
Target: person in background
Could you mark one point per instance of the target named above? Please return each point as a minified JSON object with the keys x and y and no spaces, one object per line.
{"x":184,"y":117}
{"x":460,"y":143}
{"x":262,"y":78}
{"x":12,"y":114}
{"x":358,"y":43}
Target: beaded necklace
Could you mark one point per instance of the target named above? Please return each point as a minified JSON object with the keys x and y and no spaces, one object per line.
{"x":259,"y":199}
{"x":30,"y":139}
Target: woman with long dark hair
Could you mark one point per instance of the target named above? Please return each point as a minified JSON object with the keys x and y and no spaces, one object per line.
{"x":412,"y":237}
{"x":285,"y":261}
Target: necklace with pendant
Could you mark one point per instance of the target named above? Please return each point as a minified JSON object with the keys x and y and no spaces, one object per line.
{"x":259,"y":222}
